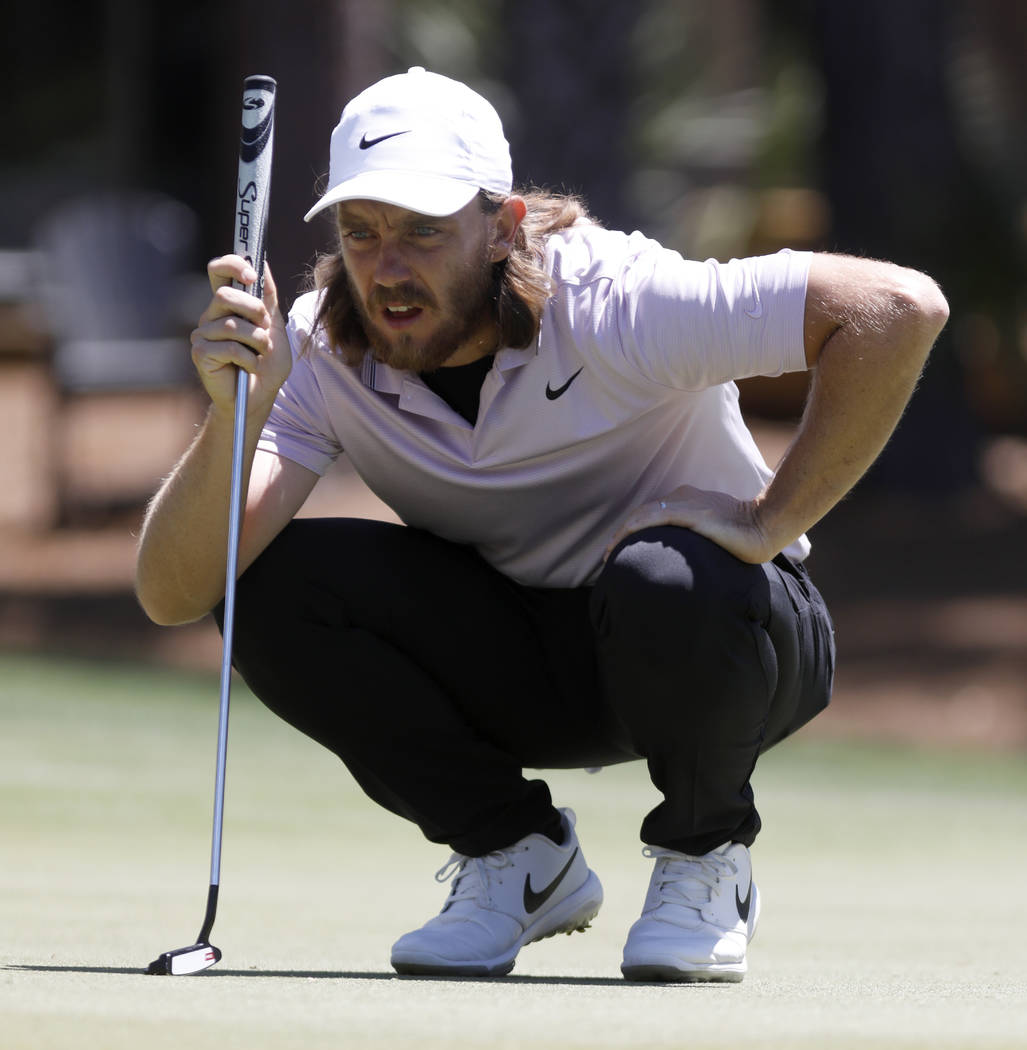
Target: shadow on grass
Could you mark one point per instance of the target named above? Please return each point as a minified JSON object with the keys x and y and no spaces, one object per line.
{"x":353,"y":975}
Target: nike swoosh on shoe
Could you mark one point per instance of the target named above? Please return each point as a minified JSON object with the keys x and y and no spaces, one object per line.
{"x":532,"y":900}
{"x":744,"y":905}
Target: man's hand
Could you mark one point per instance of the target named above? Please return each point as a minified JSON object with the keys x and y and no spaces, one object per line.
{"x":238,"y":330}
{"x":180,"y":571}
{"x":730,"y":523}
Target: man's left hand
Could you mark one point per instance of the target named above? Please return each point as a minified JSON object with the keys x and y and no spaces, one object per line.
{"x":730,"y":523}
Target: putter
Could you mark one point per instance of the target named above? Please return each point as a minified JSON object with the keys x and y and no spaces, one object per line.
{"x":252,"y":196}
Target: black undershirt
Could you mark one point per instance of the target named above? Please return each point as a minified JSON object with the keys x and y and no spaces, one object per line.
{"x":460,"y":386}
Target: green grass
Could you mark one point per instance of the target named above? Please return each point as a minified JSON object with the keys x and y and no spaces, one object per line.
{"x":891,"y":877}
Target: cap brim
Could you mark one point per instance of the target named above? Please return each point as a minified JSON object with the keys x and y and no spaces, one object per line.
{"x":424,"y":194}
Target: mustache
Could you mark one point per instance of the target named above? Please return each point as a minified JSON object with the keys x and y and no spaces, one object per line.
{"x":398,"y":295}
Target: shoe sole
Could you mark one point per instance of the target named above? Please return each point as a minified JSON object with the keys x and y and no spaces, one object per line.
{"x":572,"y":915}
{"x":665,"y":973}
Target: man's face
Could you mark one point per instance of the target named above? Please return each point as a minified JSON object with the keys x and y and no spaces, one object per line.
{"x":422,"y":285}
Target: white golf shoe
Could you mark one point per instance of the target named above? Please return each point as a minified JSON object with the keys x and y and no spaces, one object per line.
{"x":698,"y":918}
{"x":499,"y":903}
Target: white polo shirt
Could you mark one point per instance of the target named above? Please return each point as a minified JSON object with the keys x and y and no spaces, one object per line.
{"x":639,"y":347}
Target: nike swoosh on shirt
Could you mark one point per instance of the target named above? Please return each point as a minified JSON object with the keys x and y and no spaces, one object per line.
{"x":756,"y":310}
{"x":559,"y":391}
{"x":366,"y":143}
{"x":744,"y":905}
{"x":532,"y":900}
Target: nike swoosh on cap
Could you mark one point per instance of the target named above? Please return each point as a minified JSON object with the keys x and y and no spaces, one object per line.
{"x":532,"y":900}
{"x":366,"y":143}
{"x":554,"y":394}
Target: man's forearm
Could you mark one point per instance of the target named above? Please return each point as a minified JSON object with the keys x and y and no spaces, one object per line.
{"x":865,"y":374}
{"x":180,"y":572}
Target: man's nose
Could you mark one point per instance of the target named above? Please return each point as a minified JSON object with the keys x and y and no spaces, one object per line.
{"x":391,"y":267}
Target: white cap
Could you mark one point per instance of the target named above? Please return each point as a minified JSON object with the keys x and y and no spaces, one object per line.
{"x":420,"y":141}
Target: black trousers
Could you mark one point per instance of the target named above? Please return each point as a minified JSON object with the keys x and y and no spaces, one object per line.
{"x":438,"y":681}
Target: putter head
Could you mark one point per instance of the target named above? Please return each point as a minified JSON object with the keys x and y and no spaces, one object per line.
{"x":183,"y":961}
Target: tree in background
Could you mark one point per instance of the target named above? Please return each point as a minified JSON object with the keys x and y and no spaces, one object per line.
{"x":571,"y":72}
{"x":905,"y":185}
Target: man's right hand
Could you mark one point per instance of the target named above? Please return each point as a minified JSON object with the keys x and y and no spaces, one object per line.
{"x":180,"y":571}
{"x":238,"y":330}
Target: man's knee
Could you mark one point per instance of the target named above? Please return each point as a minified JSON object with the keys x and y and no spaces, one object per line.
{"x":671,"y":580}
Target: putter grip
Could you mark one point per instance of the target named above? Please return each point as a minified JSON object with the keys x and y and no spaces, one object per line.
{"x":253,"y":188}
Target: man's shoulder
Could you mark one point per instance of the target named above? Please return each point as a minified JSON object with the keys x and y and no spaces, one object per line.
{"x":304,"y":310}
{"x":587,"y":252}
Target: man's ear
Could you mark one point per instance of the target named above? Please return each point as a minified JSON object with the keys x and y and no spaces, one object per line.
{"x":509,"y":217}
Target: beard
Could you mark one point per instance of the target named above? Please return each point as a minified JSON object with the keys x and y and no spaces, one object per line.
{"x":467,"y":303}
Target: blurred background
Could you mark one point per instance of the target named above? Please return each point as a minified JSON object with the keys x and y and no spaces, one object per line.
{"x":890,"y":128}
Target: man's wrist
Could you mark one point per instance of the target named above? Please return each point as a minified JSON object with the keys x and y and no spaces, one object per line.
{"x":773,"y":528}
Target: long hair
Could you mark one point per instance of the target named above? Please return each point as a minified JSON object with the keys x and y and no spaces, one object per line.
{"x":521,"y":285}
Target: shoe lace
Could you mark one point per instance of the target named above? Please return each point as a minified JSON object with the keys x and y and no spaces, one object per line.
{"x":687,"y":881}
{"x":472,"y":875}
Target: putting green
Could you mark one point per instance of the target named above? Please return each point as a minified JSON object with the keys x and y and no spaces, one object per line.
{"x":892,"y":882}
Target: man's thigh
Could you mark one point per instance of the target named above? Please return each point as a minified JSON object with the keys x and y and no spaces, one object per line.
{"x":518,"y":663}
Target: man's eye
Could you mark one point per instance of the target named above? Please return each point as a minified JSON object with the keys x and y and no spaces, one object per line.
{"x":357,"y":235}
{"x":425,"y":231}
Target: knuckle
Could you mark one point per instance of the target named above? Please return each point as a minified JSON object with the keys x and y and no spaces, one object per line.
{"x":199,"y":354}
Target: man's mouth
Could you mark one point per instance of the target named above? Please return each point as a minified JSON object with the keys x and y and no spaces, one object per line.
{"x":399,"y":315}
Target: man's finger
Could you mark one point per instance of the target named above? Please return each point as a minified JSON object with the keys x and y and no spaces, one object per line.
{"x":212,"y":355}
{"x":270,"y":290}
{"x":656,"y":513}
{"x":230,"y":301}
{"x":227,"y":268}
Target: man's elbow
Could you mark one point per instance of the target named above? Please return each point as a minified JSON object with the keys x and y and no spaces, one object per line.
{"x":853,"y":301}
{"x":166,"y":610}
{"x":921,"y":305}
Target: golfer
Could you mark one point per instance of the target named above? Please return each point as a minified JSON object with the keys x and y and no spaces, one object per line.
{"x":596,"y":565}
